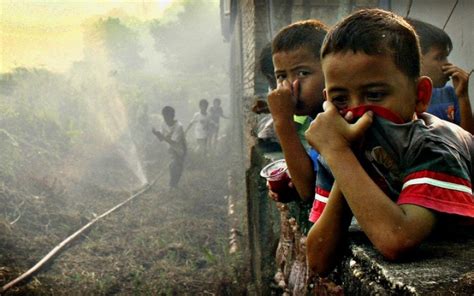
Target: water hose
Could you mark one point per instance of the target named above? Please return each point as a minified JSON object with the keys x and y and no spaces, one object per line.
{"x":69,"y":239}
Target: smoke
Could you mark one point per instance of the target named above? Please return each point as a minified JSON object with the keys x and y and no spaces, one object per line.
{"x":75,"y":143}
{"x":108,"y":101}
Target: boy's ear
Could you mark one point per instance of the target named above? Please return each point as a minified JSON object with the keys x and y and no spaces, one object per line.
{"x":424,"y":88}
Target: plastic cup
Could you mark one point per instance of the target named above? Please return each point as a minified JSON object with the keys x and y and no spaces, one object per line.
{"x":278,"y":178}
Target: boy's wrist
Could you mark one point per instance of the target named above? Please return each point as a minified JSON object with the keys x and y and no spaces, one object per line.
{"x":463,"y":97}
{"x":337,"y":156}
{"x":283,"y":122}
{"x":286,"y":131}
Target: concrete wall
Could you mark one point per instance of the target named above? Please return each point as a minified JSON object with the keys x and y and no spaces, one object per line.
{"x":248,"y":27}
{"x":251,"y":25}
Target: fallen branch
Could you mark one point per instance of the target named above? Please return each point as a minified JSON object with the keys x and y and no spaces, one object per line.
{"x":69,"y":239}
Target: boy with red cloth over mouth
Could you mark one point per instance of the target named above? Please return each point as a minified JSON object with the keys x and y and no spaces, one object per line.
{"x":399,"y":171}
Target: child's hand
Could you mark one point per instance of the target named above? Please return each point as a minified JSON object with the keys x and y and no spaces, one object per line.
{"x":157,"y":133}
{"x":332,"y":133}
{"x":460,"y":79}
{"x":272,"y":194}
{"x":282,"y":100}
{"x":279,"y":198}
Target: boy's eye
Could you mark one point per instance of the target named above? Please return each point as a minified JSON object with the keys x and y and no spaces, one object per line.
{"x":375,"y":95}
{"x":339,"y":101}
{"x":280,"y":77}
{"x":303,"y":73}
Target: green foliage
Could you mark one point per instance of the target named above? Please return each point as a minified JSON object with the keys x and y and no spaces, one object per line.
{"x":33,"y":120}
{"x":210,"y":255}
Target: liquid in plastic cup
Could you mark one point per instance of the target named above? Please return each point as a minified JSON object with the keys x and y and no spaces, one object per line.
{"x":278,"y":178}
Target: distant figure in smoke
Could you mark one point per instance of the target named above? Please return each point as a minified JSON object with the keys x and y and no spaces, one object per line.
{"x":215,"y":113}
{"x":172,"y":132}
{"x":202,"y":130}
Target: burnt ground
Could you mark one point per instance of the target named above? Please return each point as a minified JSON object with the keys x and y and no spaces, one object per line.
{"x":162,"y":243}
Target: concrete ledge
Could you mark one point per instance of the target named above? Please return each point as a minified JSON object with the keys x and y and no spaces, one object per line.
{"x":444,"y":265}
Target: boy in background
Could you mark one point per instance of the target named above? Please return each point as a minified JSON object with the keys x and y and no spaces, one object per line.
{"x":295,"y":52}
{"x":447,"y":102}
{"x":173,"y":134}
{"x":203,"y":122}
{"x":398,"y":170}
{"x":215,"y":113}
{"x":266,"y":130}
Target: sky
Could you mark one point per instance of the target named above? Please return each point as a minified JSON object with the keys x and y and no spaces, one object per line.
{"x":48,"y":33}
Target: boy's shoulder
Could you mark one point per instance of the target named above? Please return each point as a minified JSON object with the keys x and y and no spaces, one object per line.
{"x":178,"y":125}
{"x":451,"y":135}
{"x":443,"y":94}
{"x":426,"y":162}
{"x":426,"y":128}
{"x":428,"y":143}
{"x":444,"y":104}
{"x":420,"y":143}
{"x":444,"y":129}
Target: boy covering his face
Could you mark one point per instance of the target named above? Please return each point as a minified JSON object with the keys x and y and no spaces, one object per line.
{"x":447,"y":102}
{"x":300,"y":81}
{"x":398,"y":170}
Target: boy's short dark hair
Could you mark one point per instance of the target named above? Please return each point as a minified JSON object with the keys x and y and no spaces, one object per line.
{"x":308,"y":33}
{"x":217,"y":100}
{"x":203,"y":103}
{"x":376,"y":32}
{"x":168,"y":111}
{"x":265,"y":64}
{"x":430,"y":36}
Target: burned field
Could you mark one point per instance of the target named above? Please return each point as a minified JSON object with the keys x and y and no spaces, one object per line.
{"x":161,"y":243}
{"x":76,"y":140}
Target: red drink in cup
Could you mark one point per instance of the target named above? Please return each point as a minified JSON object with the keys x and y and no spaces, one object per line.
{"x":278,"y":178}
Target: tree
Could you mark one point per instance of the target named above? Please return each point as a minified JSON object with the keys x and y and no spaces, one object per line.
{"x":110,"y":41}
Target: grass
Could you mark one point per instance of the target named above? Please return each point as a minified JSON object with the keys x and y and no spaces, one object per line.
{"x":162,"y":243}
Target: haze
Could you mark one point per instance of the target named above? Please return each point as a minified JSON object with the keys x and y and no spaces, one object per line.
{"x":50,"y":33}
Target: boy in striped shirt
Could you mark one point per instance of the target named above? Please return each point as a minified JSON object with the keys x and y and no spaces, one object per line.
{"x":399,"y":171}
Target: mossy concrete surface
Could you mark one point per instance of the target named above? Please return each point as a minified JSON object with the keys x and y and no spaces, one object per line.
{"x":444,"y":265}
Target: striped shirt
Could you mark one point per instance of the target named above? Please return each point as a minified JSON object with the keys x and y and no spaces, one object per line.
{"x":426,"y":162}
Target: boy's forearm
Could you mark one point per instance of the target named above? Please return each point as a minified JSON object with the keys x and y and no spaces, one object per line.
{"x":169,"y":141}
{"x":388,"y":226}
{"x":188,"y":128}
{"x":327,"y":237}
{"x":158,"y":135}
{"x":467,"y":118}
{"x":359,"y":190}
{"x":298,"y":161}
